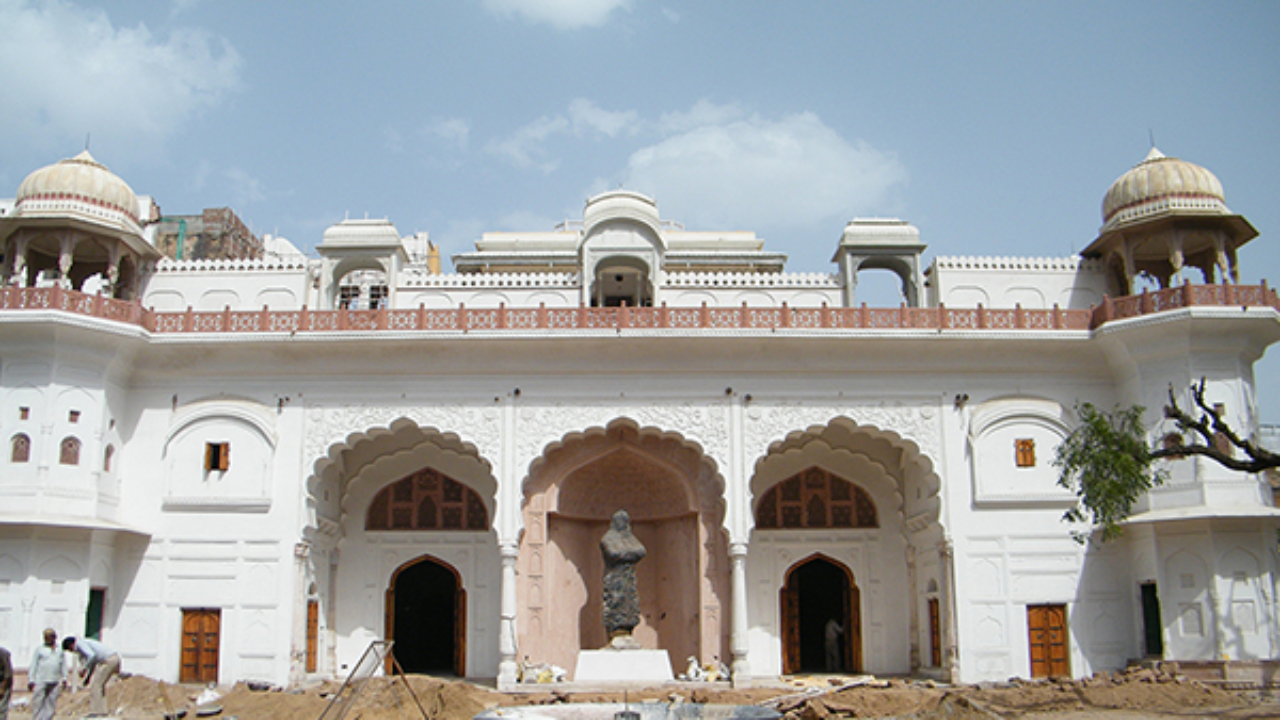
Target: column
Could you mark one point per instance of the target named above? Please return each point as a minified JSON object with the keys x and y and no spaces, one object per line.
{"x":913,"y":608}
{"x":298,"y":633}
{"x":739,"y":643}
{"x":509,"y":552}
{"x":950,"y":651}
{"x":66,"y":258}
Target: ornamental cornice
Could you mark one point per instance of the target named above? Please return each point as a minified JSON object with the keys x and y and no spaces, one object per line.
{"x":1193,"y":312}
{"x":767,"y":423}
{"x":338,"y":425}
{"x":703,"y":423}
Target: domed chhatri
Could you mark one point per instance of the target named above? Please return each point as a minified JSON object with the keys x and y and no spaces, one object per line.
{"x":1160,"y":183}
{"x":1162,"y":216}
{"x":79,"y":185}
{"x":74,"y":221}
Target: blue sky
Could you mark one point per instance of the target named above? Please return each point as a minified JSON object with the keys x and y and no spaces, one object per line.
{"x":995,"y":127}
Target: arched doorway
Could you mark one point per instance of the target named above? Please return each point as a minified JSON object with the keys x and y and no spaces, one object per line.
{"x":621,"y":280}
{"x":675,"y":499}
{"x":819,"y":590}
{"x":426,"y":617}
{"x":814,"y":493}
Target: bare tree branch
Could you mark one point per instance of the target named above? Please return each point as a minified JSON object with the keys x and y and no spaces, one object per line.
{"x":1214,"y":431}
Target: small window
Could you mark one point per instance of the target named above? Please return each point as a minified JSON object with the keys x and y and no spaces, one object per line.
{"x":70,"y":452}
{"x":1026,"y":452}
{"x":349,"y":297}
{"x":106,"y":458}
{"x":24,"y":413}
{"x":217,"y":456}
{"x":21,"y":450}
{"x":73,"y":416}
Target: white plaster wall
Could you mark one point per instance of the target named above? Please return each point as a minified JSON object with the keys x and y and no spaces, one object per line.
{"x":44,"y":582}
{"x":227,"y":547}
{"x":366,"y":563}
{"x":877,"y":560}
{"x":1071,"y":283}
{"x":206,"y":285}
{"x":1011,"y":547}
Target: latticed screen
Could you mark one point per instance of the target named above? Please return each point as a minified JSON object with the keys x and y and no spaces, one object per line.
{"x":427,"y":500}
{"x":815,"y":498}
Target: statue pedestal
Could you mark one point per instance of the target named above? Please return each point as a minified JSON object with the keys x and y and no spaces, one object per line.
{"x":611,"y":665}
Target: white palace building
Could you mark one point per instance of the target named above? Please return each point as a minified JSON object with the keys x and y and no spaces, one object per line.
{"x":253,"y":467}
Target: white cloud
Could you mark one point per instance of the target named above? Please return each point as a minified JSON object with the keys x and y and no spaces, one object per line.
{"x":69,"y":71}
{"x":587,"y":117}
{"x":527,"y":146}
{"x":245,"y":189}
{"x":560,"y":14}
{"x":392,"y":140}
{"x":703,"y":112}
{"x":755,"y":172}
{"x":455,"y":132}
{"x":524,"y":148}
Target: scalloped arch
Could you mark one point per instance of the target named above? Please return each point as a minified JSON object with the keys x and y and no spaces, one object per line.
{"x":560,"y":458}
{"x":336,"y":450}
{"x":900,"y":459}
{"x":597,"y":431}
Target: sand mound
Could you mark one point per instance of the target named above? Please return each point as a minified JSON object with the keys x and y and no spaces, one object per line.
{"x":1151,"y":693}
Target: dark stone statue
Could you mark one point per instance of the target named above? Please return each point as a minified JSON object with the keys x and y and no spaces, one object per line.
{"x":621,"y":550}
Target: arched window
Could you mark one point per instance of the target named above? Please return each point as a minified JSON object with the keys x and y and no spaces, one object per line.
{"x":106,"y":457}
{"x":21,"y":450}
{"x":427,"y":500}
{"x":70,"y":454}
{"x":815,"y":498}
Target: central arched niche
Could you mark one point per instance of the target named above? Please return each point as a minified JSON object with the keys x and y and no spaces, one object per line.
{"x":675,"y":499}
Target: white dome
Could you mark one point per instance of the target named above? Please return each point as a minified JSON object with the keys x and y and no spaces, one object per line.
{"x":79,"y":186}
{"x":1161,"y":184}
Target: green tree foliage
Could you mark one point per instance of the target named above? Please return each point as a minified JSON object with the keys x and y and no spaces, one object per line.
{"x":1105,"y":461}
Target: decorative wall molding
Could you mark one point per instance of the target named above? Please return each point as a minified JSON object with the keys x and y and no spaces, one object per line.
{"x":767,"y":423}
{"x":703,"y":423}
{"x":472,"y":424}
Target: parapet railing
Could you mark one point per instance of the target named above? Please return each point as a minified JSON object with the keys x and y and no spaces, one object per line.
{"x":1182,"y":296}
{"x":464,"y":319}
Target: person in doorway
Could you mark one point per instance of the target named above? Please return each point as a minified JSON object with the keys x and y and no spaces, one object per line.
{"x":831,"y":643}
{"x":45,"y":677}
{"x":6,"y":682}
{"x":99,"y":663}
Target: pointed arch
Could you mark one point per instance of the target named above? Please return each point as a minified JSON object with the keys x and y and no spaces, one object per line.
{"x":426,"y":616}
{"x":676,"y":500}
{"x":819,"y":589}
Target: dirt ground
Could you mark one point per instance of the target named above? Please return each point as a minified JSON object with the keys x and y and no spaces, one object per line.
{"x":1128,"y":695}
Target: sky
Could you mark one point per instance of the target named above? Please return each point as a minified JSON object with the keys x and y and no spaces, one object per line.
{"x":994,"y":127}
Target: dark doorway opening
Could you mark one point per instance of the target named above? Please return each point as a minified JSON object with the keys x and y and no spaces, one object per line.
{"x":1152,"y":628}
{"x":817,"y":591}
{"x":93,"y":613}
{"x":426,"y":618}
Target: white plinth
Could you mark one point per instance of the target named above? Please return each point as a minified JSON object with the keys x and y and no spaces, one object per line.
{"x":630,"y":666}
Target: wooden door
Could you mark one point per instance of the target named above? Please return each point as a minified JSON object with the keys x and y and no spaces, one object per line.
{"x":853,"y":629}
{"x":460,"y":633}
{"x":935,"y":634}
{"x":1047,"y":628}
{"x":313,"y":633}
{"x":790,"y":601}
{"x":200,"y":631}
